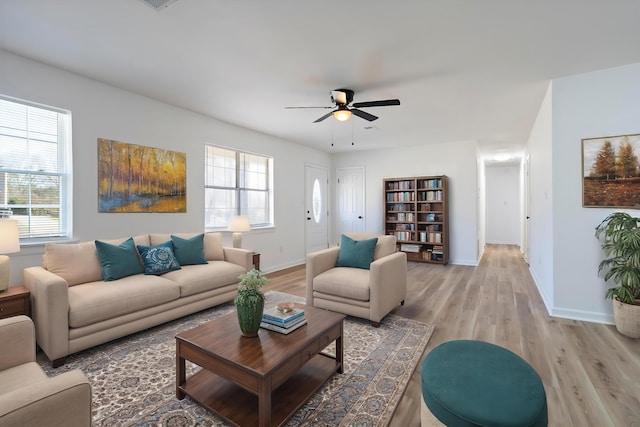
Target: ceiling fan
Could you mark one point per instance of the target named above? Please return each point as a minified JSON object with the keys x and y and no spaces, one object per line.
{"x":344,"y":106}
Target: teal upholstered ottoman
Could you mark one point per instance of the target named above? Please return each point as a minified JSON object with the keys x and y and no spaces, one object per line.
{"x":474,"y":383}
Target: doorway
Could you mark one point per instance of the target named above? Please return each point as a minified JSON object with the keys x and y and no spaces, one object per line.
{"x":316,"y":208}
{"x":350,"y":189}
{"x":503,"y":204}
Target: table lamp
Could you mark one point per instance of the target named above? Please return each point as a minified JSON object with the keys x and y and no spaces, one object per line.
{"x":9,"y":243}
{"x":238,"y":225}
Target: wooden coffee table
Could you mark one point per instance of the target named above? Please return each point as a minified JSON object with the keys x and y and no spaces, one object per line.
{"x":263,"y":380}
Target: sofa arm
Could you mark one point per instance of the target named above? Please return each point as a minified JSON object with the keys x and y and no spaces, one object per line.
{"x":18,"y":341}
{"x":64,"y":400}
{"x":388,"y":284}
{"x":50,"y":310}
{"x":242,"y":257}
{"x":316,"y":263}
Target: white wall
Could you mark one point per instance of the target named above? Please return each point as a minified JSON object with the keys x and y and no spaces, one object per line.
{"x":540,"y":195}
{"x":103,"y":111}
{"x":481,"y":198}
{"x":503,"y":217}
{"x":597,"y":104}
{"x":456,"y":160}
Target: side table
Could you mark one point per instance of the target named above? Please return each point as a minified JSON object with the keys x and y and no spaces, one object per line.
{"x":15,"y":301}
{"x":256,"y":260}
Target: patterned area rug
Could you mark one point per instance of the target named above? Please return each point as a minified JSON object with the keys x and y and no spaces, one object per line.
{"x":133,"y":378}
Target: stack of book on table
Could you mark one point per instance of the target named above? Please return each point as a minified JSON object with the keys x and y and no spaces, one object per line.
{"x":275,"y":320}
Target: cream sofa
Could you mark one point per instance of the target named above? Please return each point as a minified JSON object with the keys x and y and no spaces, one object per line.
{"x":28,"y":398}
{"x":73,"y":308}
{"x":367,"y":293}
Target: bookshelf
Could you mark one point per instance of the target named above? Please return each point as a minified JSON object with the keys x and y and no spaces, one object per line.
{"x":416,"y":211}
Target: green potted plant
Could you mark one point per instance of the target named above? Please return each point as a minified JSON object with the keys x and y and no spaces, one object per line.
{"x":250,"y":302}
{"x":619,"y":235}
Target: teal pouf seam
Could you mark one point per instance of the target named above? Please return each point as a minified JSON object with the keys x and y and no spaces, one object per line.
{"x":475,"y":383}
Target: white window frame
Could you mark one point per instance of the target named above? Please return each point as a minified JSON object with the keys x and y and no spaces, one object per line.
{"x":239,"y":204}
{"x":27,"y":224}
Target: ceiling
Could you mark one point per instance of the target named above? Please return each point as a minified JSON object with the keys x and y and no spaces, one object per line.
{"x":463,"y":70}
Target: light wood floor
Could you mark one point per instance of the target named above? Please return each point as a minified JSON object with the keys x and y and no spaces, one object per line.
{"x":590,"y":372}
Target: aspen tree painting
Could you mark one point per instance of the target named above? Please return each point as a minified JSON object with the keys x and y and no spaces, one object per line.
{"x":134,"y":178}
{"x":611,"y":172}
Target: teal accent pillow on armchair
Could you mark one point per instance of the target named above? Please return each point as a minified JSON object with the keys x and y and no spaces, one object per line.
{"x":118,"y":261}
{"x":356,"y":253}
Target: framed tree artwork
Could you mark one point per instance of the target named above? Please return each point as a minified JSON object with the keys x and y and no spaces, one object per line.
{"x":611,"y":172}
{"x":135,"y":178}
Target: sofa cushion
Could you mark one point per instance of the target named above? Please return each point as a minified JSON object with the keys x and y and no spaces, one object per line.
{"x":194,"y":279}
{"x":213,"y":248}
{"x":118,"y":261}
{"x":189,"y":251}
{"x":96,"y":301}
{"x":158,"y":259}
{"x":347,"y":282}
{"x":74,"y":262}
{"x":356,"y":253}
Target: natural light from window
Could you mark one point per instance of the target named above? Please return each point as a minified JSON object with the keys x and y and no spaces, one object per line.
{"x":34,"y":168}
{"x":237,"y":183}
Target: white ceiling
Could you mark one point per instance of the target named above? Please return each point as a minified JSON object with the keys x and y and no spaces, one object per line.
{"x":463,"y":70}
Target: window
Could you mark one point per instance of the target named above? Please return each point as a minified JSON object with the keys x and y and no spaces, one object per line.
{"x":35,"y":168}
{"x":237,"y":183}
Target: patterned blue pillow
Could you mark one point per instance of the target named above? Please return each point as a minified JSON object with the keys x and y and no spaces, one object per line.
{"x":158,"y":259}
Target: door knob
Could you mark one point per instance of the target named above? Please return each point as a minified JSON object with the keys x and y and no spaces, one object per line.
{"x":360,"y":217}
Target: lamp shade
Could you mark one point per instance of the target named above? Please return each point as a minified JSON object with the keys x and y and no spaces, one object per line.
{"x":342,"y":114}
{"x":239,"y":224}
{"x":9,"y":237}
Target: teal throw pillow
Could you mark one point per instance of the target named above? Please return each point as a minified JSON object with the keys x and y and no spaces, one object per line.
{"x":118,"y":261}
{"x":189,"y":251}
{"x":158,"y":259}
{"x":356,"y":253}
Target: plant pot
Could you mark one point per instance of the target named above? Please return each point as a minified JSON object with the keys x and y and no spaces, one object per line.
{"x":627,"y":318}
{"x":250,"y":316}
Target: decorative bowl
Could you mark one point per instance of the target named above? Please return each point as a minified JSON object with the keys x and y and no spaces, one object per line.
{"x":285,"y":307}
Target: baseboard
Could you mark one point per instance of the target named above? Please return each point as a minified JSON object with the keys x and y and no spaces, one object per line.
{"x":585,"y":316}
{"x":273,"y":268}
{"x":568,"y":313}
{"x":547,"y":304}
{"x":470,"y":263}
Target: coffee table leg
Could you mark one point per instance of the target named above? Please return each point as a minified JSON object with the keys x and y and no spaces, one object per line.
{"x":264,"y":402}
{"x":181,"y":376}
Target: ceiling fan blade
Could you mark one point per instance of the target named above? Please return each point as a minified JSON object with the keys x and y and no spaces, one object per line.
{"x":363,"y":114}
{"x":290,"y":108}
{"x":381,"y":103}
{"x":323,"y":117}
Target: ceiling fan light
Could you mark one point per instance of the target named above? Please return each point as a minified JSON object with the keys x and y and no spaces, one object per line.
{"x":342,"y":115}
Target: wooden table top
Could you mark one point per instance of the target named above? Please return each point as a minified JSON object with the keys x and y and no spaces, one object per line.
{"x":221,"y":338}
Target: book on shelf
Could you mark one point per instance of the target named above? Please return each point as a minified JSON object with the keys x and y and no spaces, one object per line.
{"x":273,"y":315}
{"x":276,"y":328}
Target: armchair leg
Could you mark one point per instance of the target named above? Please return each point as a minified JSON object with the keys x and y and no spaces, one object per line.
{"x":375,"y":324}
{"x":56,"y":363}
{"x":402,"y":302}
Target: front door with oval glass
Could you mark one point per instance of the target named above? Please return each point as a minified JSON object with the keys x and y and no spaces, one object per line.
{"x":316,"y":209}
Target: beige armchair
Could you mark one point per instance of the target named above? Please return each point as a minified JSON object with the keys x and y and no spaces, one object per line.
{"x":27,"y":396}
{"x":369,"y":294}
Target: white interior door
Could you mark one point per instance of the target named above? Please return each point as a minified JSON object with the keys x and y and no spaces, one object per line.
{"x":316,"y":208}
{"x":350,"y":189}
